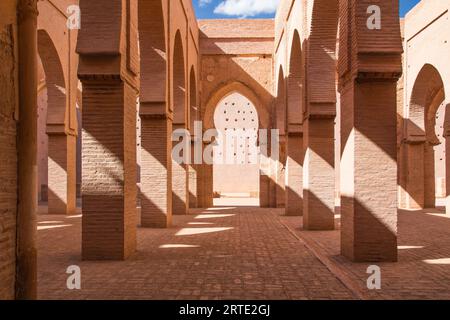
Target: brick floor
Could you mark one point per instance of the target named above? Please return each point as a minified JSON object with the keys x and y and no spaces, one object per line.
{"x":423,"y":270}
{"x":227,"y":253}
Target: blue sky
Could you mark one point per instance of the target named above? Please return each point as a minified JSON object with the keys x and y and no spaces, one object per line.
{"x":217,"y":9}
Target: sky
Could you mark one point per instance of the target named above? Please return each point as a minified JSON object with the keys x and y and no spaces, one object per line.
{"x":220,"y":9}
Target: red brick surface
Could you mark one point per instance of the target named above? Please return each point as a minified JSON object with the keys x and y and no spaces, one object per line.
{"x":209,"y":254}
{"x":8,"y":167}
{"x":423,"y":267}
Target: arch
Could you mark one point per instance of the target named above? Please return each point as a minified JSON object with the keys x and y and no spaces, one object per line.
{"x":178,"y":81}
{"x":280,"y":105}
{"x":54,"y":78}
{"x":227,"y":89}
{"x":295,"y":104}
{"x":236,"y":149}
{"x":193,"y":107}
{"x":426,"y":149}
{"x":322,"y":51}
{"x":426,"y":97}
{"x":152,"y":43}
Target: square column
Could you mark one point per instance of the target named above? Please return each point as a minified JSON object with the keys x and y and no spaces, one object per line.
{"x":280,"y":190}
{"x":369,"y":171}
{"x":109,"y":169}
{"x":368,"y":75}
{"x":192,"y":172}
{"x":264,"y":190}
{"x":318,"y":173}
{"x":415,"y":178}
{"x":429,"y":169}
{"x":180,"y":194}
{"x":61,"y":173}
{"x":206,"y":194}
{"x":294,"y":174}
{"x":156,"y":171}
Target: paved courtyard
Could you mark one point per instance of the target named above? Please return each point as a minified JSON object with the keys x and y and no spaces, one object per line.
{"x":245,"y":253}
{"x":222,"y":253}
{"x":423,"y":269}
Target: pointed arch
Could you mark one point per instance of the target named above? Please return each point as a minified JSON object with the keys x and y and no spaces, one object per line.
{"x":178,"y":81}
{"x":193,"y":104}
{"x":227,"y":89}
{"x":153,"y":51}
{"x":280,"y":105}
{"x":321,"y":59}
{"x":426,"y":97}
{"x":54,"y":78}
{"x":295,"y":104}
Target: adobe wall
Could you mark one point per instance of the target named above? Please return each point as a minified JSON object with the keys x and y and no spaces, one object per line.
{"x":236,"y":55}
{"x":427,"y":41}
{"x":8,"y":160}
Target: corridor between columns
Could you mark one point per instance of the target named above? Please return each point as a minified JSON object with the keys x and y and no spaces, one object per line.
{"x":218,"y":253}
{"x":263,"y":158}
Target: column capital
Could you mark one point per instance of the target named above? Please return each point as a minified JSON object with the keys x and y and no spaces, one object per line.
{"x":369,"y":53}
{"x":321,"y":110}
{"x":27,"y":8}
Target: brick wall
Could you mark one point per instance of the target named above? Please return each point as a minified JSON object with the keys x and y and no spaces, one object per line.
{"x":8,"y":167}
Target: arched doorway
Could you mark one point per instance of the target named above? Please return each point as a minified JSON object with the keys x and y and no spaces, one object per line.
{"x":54,"y":141}
{"x":180,"y":197}
{"x":425,"y":141}
{"x":156,"y":127}
{"x":236,"y":162}
{"x":193,"y":117}
{"x":279,"y":166}
{"x":295,"y":110}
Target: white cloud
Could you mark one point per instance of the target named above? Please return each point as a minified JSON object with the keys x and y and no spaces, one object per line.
{"x":202,"y":3}
{"x":246,"y":8}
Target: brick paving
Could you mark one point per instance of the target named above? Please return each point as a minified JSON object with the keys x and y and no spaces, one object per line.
{"x":222,"y":253}
{"x":423,"y":269}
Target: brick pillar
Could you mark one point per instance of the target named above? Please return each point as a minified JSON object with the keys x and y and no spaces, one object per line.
{"x":447,"y":160}
{"x":61,"y":173}
{"x":318,"y":173}
{"x":156,"y":168}
{"x":415,"y":179}
{"x":447,"y":175}
{"x":180,"y":195}
{"x":264,"y":179}
{"x":264,"y":190}
{"x":368,"y":75}
{"x":109,"y":169}
{"x":192,"y":180}
{"x":205,"y":186}
{"x":294,"y":172}
{"x":108,"y":69}
{"x":26,"y":254}
{"x":280,"y":190}
{"x":429,"y":176}
{"x":402,"y":176}
{"x":369,"y":172}
{"x":273,"y":187}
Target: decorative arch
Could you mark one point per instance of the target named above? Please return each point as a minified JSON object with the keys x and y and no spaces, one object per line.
{"x":295,"y":104}
{"x":153,"y":51}
{"x":193,"y":100}
{"x":426,"y":97}
{"x":178,"y":81}
{"x":280,"y":105}
{"x":54,"y":78}
{"x":322,"y":51}
{"x":220,"y":93}
{"x":425,"y":150}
